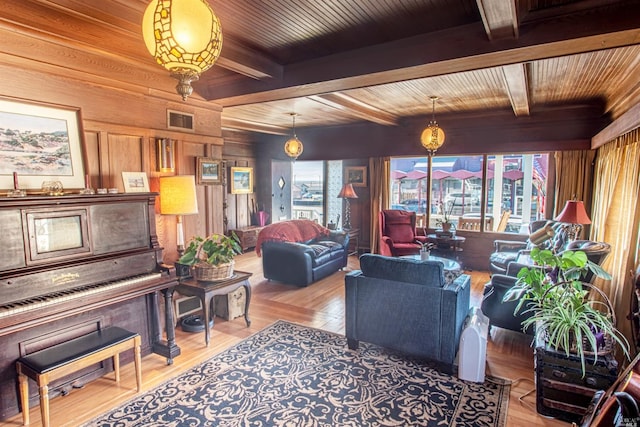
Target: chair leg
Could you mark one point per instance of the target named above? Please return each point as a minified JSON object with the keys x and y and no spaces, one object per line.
{"x":353,"y":344}
{"x":24,"y":397}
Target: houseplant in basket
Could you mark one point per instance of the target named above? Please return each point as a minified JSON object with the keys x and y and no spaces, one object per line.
{"x":211,"y":258}
{"x":561,"y":309}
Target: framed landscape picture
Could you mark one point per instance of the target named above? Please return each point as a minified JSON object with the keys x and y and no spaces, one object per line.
{"x":209,"y":171}
{"x":241,"y":180}
{"x":40,"y":142}
{"x":356,"y":175}
{"x":135,"y":182}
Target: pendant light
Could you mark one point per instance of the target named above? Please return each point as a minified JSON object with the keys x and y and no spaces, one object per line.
{"x":432,"y":136}
{"x":184,"y":36}
{"x":293,"y":147}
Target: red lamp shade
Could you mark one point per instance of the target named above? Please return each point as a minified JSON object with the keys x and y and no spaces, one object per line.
{"x":574,"y":213}
{"x":347,"y":192}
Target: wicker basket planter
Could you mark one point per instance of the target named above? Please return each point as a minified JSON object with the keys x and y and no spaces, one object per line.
{"x":208,"y":272}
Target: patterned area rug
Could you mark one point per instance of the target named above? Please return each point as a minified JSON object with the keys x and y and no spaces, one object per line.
{"x":291,"y":375}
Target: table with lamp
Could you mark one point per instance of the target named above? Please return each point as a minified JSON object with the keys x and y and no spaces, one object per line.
{"x":178,"y":197}
{"x":347,"y":192}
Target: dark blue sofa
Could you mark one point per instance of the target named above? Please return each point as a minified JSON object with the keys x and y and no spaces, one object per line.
{"x":405,"y":305}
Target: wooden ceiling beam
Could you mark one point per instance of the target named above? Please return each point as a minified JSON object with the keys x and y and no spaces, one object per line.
{"x":246,"y":125}
{"x":459,"y":49}
{"x":247,"y":62}
{"x":499,"y":18}
{"x":356,"y":108}
{"x":623,"y":124}
{"x":516,"y":82}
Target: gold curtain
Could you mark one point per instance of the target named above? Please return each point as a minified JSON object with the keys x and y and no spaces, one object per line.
{"x":380,"y":172}
{"x":616,"y":219}
{"x":574,"y":178}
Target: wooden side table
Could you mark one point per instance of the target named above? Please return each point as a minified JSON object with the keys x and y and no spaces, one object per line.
{"x":354,"y":237}
{"x":207,"y":290}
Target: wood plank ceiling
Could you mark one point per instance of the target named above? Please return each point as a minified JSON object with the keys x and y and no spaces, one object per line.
{"x":340,"y":62}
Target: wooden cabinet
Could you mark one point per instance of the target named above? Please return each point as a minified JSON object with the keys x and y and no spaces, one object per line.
{"x":248,"y":236}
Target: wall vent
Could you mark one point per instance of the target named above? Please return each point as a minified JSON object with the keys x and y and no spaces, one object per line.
{"x":180,"y":121}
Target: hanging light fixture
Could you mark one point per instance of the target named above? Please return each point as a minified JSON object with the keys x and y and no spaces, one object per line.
{"x":184,"y":36}
{"x":293,"y":147}
{"x":432,"y":137}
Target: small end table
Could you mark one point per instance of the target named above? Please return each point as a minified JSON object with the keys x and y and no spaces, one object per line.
{"x":451,"y":245}
{"x":207,"y":290}
{"x":354,"y":237}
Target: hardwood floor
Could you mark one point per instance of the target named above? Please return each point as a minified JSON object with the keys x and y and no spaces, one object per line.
{"x":320,"y":305}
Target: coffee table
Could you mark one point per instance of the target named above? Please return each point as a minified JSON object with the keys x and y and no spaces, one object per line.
{"x":452,"y":269}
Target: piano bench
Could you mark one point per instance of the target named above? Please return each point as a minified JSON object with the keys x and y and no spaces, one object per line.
{"x":65,"y":358}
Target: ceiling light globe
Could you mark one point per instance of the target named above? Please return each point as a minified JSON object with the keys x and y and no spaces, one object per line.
{"x":432,"y":137}
{"x":293,"y":147}
{"x":182,"y":34}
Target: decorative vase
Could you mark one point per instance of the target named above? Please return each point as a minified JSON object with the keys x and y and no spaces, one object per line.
{"x":446,"y":226}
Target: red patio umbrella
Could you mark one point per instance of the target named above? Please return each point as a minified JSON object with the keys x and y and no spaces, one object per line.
{"x":513,"y":174}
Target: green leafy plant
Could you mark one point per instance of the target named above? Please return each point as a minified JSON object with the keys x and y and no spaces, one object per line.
{"x":559,"y":302}
{"x":215,"y":249}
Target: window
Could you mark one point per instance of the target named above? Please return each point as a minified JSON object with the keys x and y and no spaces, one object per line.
{"x":515,"y":190}
{"x":307,"y":191}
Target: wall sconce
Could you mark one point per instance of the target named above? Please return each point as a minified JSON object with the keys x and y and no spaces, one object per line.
{"x":165,"y":148}
{"x":178,"y":197}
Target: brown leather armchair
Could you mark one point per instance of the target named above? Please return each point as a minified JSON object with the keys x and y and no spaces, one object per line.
{"x":398,"y":233}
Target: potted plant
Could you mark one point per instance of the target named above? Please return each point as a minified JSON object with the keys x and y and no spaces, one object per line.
{"x":561,"y":311}
{"x":211,"y":258}
{"x":445,"y":222}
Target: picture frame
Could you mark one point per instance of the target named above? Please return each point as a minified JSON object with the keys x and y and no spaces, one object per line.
{"x":57,"y":155}
{"x":135,"y":182}
{"x":241,"y":180}
{"x":209,"y":171}
{"x":356,"y":175}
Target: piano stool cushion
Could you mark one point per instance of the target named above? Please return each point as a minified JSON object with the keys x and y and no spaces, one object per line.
{"x":55,"y":362}
{"x":64,"y":353}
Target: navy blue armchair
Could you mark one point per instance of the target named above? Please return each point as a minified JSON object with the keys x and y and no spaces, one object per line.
{"x":405,"y":305}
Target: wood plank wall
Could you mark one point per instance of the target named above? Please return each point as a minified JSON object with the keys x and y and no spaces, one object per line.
{"x":120,"y":129}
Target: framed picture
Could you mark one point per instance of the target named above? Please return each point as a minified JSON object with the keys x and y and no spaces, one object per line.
{"x":356,"y":175}
{"x":135,"y":182}
{"x":241,"y":180}
{"x":40,"y":143}
{"x":209,"y":171}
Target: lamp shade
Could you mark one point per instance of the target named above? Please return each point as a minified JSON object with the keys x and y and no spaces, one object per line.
{"x":347,"y":192}
{"x":182,"y":34}
{"x":178,"y":195}
{"x":574,"y":213}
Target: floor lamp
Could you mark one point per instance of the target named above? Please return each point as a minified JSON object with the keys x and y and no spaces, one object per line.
{"x":178,"y":197}
{"x":347,"y":193}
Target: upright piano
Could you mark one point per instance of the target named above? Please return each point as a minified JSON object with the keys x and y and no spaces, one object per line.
{"x":73,"y":264}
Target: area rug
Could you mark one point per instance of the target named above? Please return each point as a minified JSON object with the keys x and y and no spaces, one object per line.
{"x":292,"y":375}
